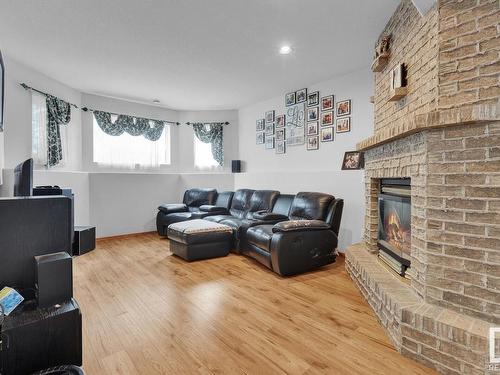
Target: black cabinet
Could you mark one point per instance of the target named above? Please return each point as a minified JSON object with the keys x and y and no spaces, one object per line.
{"x":35,"y":338}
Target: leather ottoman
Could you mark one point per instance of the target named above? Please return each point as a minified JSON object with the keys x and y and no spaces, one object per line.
{"x":199,"y":239}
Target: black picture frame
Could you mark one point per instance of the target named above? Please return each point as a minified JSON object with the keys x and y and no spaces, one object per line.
{"x":301,"y":96}
{"x":269,"y":116}
{"x":341,"y":111}
{"x":331,"y":106}
{"x":312,"y":143}
{"x":280,"y":147}
{"x":290,"y":99}
{"x":2,"y":92}
{"x":260,"y":125}
{"x":312,"y":114}
{"x":343,"y":125}
{"x":350,"y":164}
{"x":313,"y":99}
{"x":260,"y":138}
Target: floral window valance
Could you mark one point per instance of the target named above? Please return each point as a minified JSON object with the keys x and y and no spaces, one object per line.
{"x":213,"y":134}
{"x":135,"y":126}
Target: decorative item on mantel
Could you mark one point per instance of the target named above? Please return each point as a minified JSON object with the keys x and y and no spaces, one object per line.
{"x":382,"y":54}
{"x":398,"y":83}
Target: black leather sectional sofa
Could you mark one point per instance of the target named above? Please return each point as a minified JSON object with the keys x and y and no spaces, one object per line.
{"x":289,"y":234}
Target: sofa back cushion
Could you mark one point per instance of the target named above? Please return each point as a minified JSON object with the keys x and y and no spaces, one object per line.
{"x":310,"y":206}
{"x":241,"y":203}
{"x":262,"y":200}
{"x":199,"y":197}
{"x":283,"y":204}
{"x":224,"y":199}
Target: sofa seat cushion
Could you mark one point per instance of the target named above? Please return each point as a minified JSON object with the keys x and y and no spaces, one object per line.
{"x":260,"y":236}
{"x":218,"y":218}
{"x":199,"y":231}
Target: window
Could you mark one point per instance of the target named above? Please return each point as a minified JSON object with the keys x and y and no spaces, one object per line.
{"x":39,"y":132}
{"x":203,"y":158}
{"x":127,"y":151}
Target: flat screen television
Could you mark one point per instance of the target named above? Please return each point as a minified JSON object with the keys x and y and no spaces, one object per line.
{"x":23,"y":179}
{"x":2,"y":90}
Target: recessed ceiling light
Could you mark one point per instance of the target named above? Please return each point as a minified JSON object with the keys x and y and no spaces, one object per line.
{"x":285,"y":50}
{"x":156,"y":101}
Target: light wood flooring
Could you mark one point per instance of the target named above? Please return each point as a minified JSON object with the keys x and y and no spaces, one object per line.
{"x":146,"y":311}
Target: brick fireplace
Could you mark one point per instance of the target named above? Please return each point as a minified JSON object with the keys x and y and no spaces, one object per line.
{"x":445,"y":137}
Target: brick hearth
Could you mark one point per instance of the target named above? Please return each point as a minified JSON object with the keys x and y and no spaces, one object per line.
{"x":445,"y":136}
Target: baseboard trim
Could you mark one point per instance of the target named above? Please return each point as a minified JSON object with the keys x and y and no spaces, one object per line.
{"x":121,"y":236}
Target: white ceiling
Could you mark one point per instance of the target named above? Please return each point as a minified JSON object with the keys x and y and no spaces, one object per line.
{"x":192,"y":54}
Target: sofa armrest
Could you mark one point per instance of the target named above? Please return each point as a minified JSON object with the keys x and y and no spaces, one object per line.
{"x":172,"y":208}
{"x":300,"y":225}
{"x":268,"y":216}
{"x":211,"y":209}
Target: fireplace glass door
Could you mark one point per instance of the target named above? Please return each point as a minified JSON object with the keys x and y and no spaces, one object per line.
{"x":394,"y":228}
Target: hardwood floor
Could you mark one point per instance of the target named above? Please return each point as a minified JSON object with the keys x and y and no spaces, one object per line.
{"x":146,"y":311}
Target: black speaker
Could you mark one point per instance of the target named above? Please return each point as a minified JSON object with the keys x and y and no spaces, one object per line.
{"x":84,"y":240}
{"x":236,"y":166}
{"x":53,"y":278}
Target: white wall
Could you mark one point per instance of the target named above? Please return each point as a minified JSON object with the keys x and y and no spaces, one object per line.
{"x":17,"y":133}
{"x":127,"y":202}
{"x":302,"y":170}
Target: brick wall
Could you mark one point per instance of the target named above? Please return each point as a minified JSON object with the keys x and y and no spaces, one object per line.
{"x":463,"y":220}
{"x":469,"y":44}
{"x":453,"y":60}
{"x":415,"y":43}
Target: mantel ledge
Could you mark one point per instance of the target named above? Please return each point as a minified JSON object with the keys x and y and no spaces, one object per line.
{"x":467,"y":114}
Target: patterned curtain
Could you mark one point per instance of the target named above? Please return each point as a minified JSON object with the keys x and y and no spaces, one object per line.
{"x":58,"y":113}
{"x":211,"y":134}
{"x":135,"y":126}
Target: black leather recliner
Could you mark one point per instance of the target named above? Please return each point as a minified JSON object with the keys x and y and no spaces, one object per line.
{"x":306,"y":241}
{"x":196,"y":204}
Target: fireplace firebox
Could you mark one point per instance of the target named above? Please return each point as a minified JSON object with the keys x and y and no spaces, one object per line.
{"x":394,"y":227}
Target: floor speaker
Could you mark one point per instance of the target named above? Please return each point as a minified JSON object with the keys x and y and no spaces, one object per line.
{"x":236,"y":166}
{"x":54,"y":279}
{"x":84,"y":239}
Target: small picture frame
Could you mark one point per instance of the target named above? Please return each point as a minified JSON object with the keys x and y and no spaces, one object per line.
{"x":327,"y":118}
{"x":353,"y":160}
{"x":301,"y":95}
{"x":270,"y":129}
{"x":280,"y":121}
{"x":290,"y":99}
{"x":280,"y":135}
{"x":280,"y":147}
{"x":313,"y":99}
{"x":343,"y":125}
{"x":269,"y":143}
{"x":260,"y":138}
{"x":269,"y":116}
{"x":312,"y":128}
{"x":344,"y":108}
{"x":327,"y":103}
{"x":312,"y":143}
{"x":260,"y":125}
{"x":327,"y":134}
{"x":313,"y":114}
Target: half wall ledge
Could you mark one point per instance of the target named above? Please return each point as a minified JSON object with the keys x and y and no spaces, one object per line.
{"x":442,"y":339}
